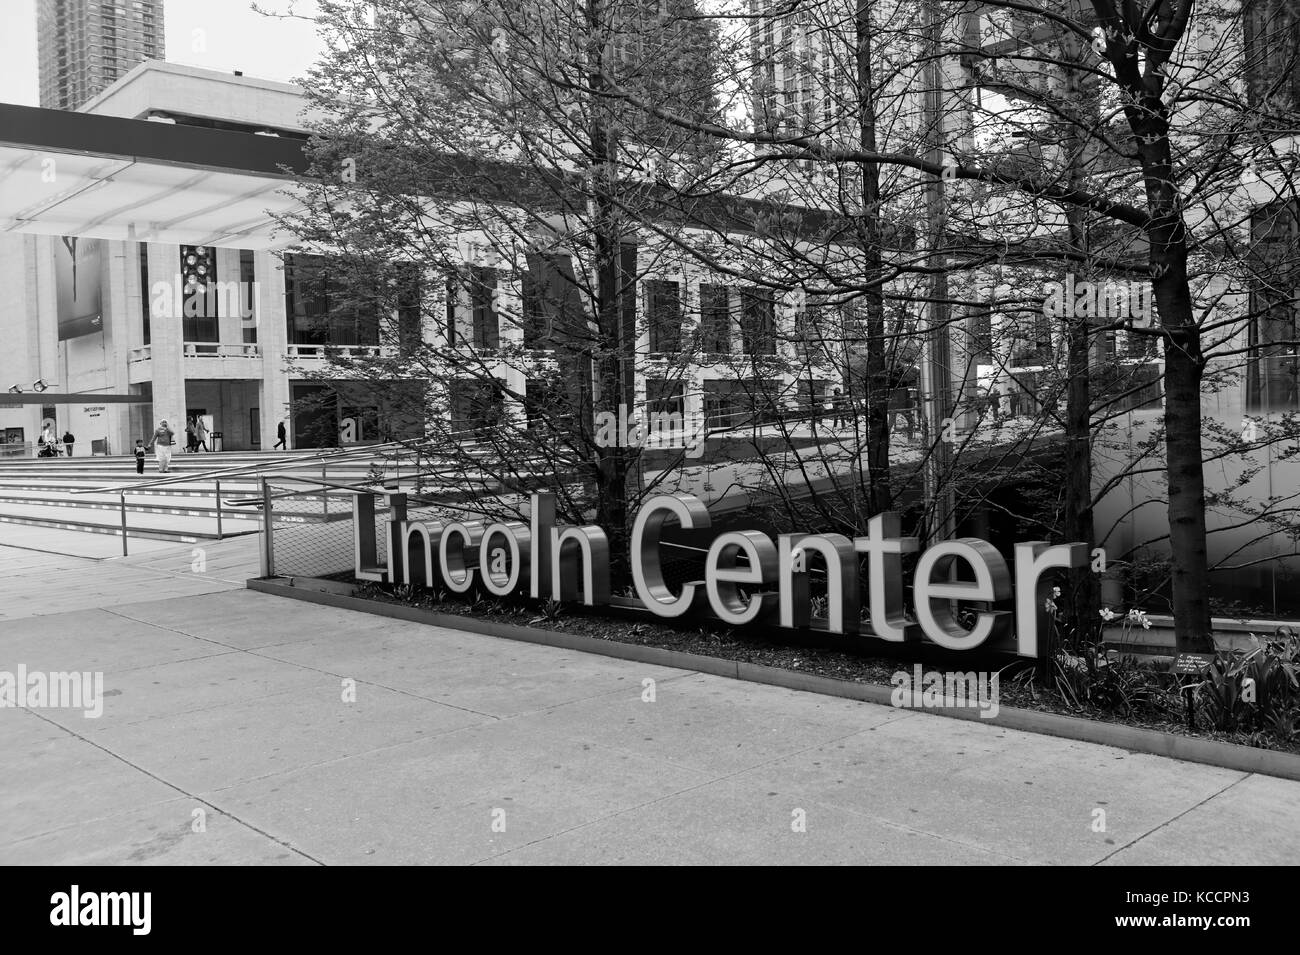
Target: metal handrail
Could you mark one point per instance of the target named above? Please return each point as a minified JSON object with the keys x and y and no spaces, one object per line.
{"x":314,"y":482}
{"x":279,"y":463}
{"x":257,"y":467}
{"x":276,"y":464}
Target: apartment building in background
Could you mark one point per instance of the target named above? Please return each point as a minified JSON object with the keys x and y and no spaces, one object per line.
{"x":84,"y":46}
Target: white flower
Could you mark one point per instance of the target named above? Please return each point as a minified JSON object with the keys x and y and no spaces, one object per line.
{"x":1107,"y":614}
{"x":1056,"y":592}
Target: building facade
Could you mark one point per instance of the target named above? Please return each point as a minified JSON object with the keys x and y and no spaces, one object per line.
{"x":84,"y":46}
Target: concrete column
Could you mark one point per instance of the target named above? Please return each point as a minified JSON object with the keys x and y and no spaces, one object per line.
{"x":167,"y":355}
{"x":693,"y":378}
{"x":123,"y":330}
{"x":230,"y":330}
{"x":45,"y":334}
{"x":19,"y":358}
{"x":273,"y":339}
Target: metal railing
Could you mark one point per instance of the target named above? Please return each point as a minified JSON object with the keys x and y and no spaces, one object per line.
{"x":280,"y":463}
{"x":202,"y":350}
{"x":705,"y":429}
{"x":312,"y":352}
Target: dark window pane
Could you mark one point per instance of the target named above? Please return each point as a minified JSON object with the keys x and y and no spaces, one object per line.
{"x":663,"y":301}
{"x":324,"y":309}
{"x":666,"y":399}
{"x":477,"y":407}
{"x":409,"y":291}
{"x":482,"y":297}
{"x":146,"y":296}
{"x":1273,"y":372}
{"x":1272,"y":35}
{"x":248,"y":295}
{"x":199,"y":293}
{"x":757,"y":321}
{"x":715,"y":320}
{"x":553,"y":312}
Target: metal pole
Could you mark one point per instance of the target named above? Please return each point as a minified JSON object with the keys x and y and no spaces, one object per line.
{"x":219,"y":534}
{"x":122,"y":496}
{"x":324,"y":493}
{"x":268,"y":542}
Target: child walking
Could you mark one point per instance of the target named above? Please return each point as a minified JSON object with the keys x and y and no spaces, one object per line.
{"x":139,"y":456}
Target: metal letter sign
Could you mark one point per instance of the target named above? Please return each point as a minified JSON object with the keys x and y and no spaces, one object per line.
{"x":748,"y":577}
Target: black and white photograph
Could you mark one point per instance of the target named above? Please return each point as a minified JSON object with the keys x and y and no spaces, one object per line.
{"x":651,"y":433}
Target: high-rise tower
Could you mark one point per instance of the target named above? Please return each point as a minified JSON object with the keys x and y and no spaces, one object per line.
{"x":85,"y":45}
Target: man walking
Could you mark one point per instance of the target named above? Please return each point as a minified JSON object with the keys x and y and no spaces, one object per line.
{"x":280,"y":437}
{"x":161,"y":442}
{"x":201,"y":431}
{"x":68,"y":439}
{"x":840,"y":409}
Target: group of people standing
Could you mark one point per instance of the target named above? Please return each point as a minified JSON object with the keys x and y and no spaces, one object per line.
{"x":48,"y":444}
{"x":164,"y":439}
{"x":196,"y":435}
{"x":842,"y":410}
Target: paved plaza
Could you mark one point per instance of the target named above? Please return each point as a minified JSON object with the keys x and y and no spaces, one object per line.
{"x":240,"y":727}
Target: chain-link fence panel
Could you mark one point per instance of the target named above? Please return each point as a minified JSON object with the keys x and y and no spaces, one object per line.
{"x":314,"y":533}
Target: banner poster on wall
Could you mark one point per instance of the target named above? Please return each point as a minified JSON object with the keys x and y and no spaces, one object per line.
{"x":77,"y":282}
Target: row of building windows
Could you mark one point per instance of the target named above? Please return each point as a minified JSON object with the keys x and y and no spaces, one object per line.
{"x":318,"y":314}
{"x":551,"y":307}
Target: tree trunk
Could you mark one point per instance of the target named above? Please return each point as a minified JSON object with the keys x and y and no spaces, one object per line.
{"x":1190,"y":563}
{"x":1184,"y":366}
{"x":1084,"y":597}
{"x":878,"y":385}
{"x":610,"y":350}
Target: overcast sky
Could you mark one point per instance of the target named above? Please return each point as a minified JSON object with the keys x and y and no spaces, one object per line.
{"x":234,"y":38}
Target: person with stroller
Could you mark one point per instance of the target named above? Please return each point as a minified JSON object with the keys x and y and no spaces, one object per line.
{"x":47,"y":444}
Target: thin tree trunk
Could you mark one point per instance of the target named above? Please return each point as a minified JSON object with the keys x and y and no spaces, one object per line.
{"x":609,"y":351}
{"x":877,"y":386}
{"x":1184,"y":367}
{"x":1084,"y":597}
{"x":1077,"y":523}
{"x":1183,"y":371}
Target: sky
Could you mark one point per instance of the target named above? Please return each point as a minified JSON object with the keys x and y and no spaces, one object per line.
{"x":233,"y":37}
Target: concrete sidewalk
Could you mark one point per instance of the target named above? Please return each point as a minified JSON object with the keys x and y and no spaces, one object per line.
{"x":66,"y":571}
{"x":226,"y":738}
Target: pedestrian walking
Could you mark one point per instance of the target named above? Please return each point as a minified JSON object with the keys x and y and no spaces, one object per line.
{"x":139,"y":456}
{"x":68,"y":439}
{"x":161,"y":442}
{"x":280,"y":437}
{"x":840,"y":408}
{"x":191,"y":443}
{"x":201,"y":432}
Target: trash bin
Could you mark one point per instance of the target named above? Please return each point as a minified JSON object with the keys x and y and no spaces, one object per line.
{"x":215,"y":437}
